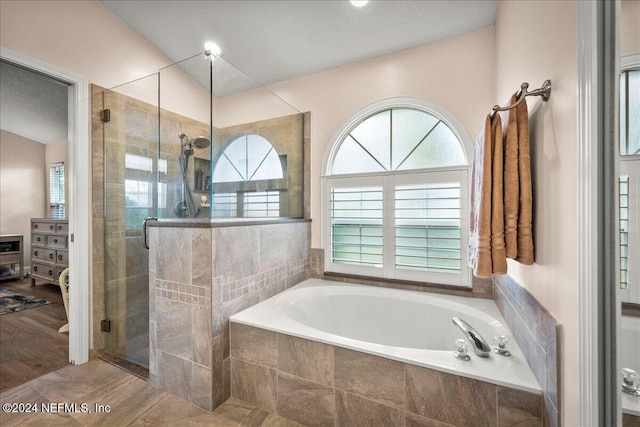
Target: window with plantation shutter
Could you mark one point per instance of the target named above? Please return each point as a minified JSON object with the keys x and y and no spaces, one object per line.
{"x":261,"y":204}
{"x":395,"y":194}
{"x":56,"y":190}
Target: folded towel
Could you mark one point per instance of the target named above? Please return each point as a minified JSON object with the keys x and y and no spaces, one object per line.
{"x":498,"y":250}
{"x":525,"y":211}
{"x":486,"y":229}
{"x":511,"y":179}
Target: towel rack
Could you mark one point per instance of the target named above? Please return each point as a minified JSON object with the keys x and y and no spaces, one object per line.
{"x":544,"y":92}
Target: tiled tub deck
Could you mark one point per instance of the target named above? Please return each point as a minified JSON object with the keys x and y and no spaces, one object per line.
{"x":318,"y":384}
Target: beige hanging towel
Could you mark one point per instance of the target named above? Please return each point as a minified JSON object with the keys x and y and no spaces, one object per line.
{"x":525,"y":210}
{"x":511,"y":179}
{"x":487,"y":254}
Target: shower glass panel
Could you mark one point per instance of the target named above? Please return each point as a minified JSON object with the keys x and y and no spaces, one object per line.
{"x":185,"y":135}
{"x":254,"y":165}
{"x":130,"y":188}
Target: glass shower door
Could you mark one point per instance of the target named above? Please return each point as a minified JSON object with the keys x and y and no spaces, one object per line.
{"x":130,"y":120}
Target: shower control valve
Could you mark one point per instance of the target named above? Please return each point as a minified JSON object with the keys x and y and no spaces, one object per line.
{"x":461,"y":350}
{"x":630,"y":381}
{"x":500,"y":344}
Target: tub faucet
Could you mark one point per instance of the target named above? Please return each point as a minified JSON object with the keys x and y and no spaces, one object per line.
{"x":480,"y":346}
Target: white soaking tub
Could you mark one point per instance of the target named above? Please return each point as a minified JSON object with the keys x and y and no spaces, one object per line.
{"x":407,"y":326}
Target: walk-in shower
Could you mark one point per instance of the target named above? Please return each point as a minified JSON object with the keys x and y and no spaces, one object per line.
{"x":185,"y":208}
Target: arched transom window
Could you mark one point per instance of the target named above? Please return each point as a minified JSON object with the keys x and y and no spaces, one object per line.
{"x":396,"y":196}
{"x":248,"y":159}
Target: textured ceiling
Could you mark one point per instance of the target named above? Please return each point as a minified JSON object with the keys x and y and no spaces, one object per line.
{"x":263,"y":42}
{"x":32,"y":105}
{"x":272,"y":41}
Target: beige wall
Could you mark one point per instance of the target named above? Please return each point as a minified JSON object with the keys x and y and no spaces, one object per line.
{"x":457,"y":73}
{"x":549,"y":28}
{"x":22,"y":186}
{"x":83,"y":37}
{"x":629,"y":27}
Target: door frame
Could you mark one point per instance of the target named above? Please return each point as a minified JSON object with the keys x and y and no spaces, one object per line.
{"x":79,"y":199}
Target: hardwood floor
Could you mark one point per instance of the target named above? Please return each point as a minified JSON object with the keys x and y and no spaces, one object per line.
{"x":114,"y":397}
{"x":30,"y":345}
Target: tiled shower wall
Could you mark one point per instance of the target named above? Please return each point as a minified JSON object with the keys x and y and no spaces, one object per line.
{"x":538,"y":334}
{"x":198,"y":278}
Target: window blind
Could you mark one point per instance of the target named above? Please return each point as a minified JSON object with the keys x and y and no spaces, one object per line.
{"x":356,"y":226}
{"x":427,"y":227}
{"x":261,"y":204}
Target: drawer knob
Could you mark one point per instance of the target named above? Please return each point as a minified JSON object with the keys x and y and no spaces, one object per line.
{"x":50,"y":256}
{"x":59,"y":257}
{"x":35,"y":225}
{"x":35,"y":253}
{"x":51,"y":272}
{"x":35,"y":268}
{"x":51,"y":227}
{"x":55,"y":240}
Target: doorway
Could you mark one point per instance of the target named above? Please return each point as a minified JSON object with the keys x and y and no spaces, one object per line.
{"x":79,"y":176}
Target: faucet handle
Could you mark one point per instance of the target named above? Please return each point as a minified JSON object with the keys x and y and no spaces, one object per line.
{"x":461,"y":350}
{"x":500,"y":344}
{"x":630,"y":381}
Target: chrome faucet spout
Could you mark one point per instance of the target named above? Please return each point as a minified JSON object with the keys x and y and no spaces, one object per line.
{"x":480,"y":346}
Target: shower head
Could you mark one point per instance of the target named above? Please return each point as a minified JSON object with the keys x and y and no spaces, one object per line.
{"x":200,"y":142}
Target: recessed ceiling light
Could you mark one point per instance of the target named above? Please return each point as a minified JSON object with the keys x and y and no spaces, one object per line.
{"x":359,"y":4}
{"x":211,"y":48}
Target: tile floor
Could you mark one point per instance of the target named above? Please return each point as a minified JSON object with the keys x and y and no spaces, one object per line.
{"x":131,"y":401}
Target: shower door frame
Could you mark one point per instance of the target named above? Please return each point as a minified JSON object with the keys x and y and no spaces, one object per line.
{"x":79,"y":172}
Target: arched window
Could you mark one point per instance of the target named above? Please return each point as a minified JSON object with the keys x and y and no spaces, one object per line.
{"x":247,"y":159}
{"x":396,"y":185}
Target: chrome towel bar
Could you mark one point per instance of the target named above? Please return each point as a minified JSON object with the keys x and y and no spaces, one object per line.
{"x":544,"y":92}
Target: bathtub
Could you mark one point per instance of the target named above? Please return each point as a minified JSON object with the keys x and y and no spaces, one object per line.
{"x":407,"y":326}
{"x":629,"y":349}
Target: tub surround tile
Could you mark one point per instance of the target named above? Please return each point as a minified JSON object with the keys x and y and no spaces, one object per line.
{"x":370,"y":390}
{"x":254,"y":384}
{"x":516,"y":407}
{"x":304,"y":358}
{"x":629,"y":420}
{"x":353,"y":410}
{"x":376,"y":378}
{"x":253,"y":345}
{"x":305,"y":402}
{"x":539,"y":335}
{"x":450,"y":398}
{"x":413,"y":420}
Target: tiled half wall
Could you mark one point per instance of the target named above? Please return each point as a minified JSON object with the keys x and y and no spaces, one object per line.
{"x":539,"y":336}
{"x":316,"y":384}
{"x":198,"y":278}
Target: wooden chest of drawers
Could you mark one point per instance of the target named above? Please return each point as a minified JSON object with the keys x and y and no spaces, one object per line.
{"x":49,"y":248}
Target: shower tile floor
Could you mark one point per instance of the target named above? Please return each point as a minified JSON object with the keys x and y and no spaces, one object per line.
{"x":131,"y":401}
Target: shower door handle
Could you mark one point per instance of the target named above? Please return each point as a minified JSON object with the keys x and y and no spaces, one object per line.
{"x":144,"y":230}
